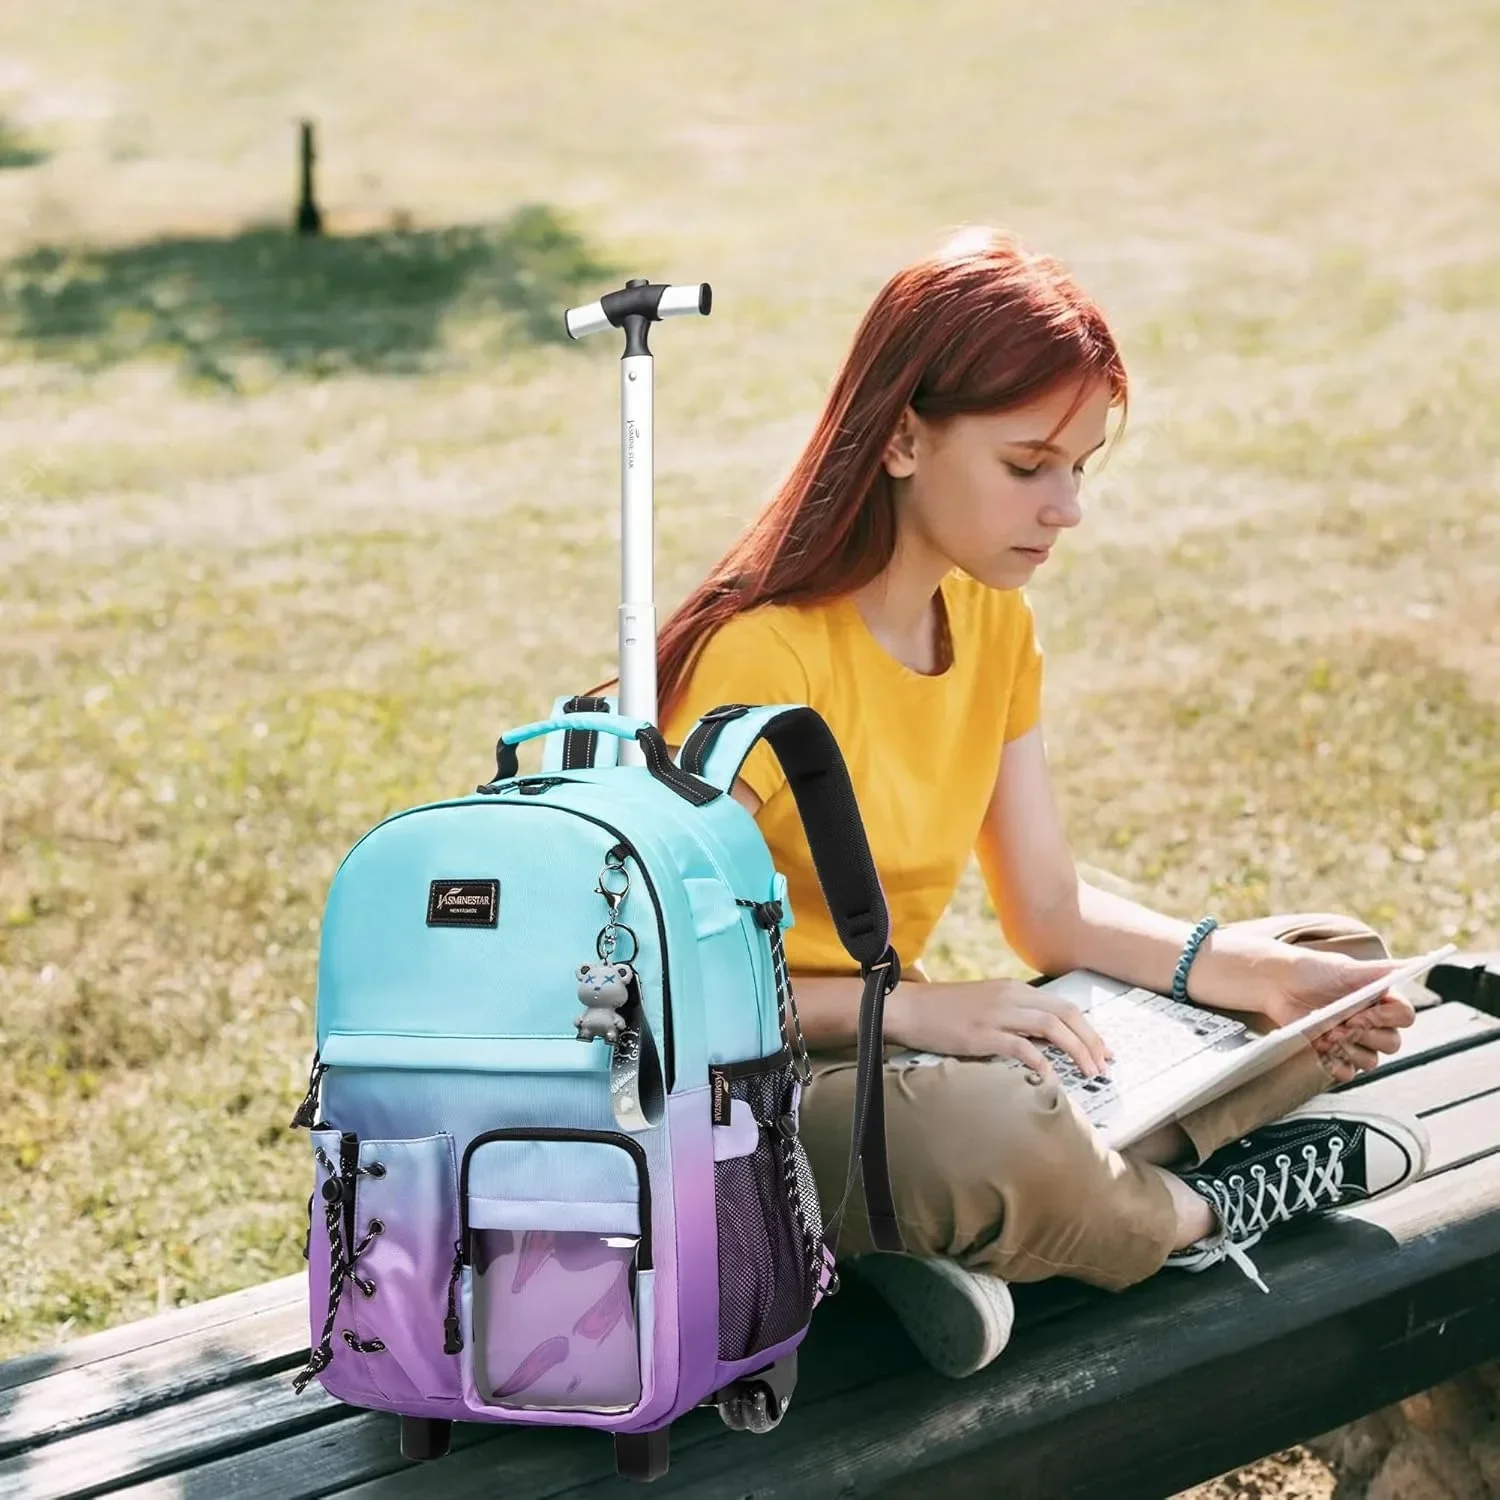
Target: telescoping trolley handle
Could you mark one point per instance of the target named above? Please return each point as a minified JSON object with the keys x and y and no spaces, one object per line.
{"x":634,"y":308}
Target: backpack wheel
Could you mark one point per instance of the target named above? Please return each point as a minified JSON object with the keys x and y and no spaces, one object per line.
{"x":754,"y":1409}
{"x":758,"y":1402}
{"x":425,"y":1437}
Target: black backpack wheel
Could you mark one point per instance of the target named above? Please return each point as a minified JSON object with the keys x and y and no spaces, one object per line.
{"x":757,"y":1403}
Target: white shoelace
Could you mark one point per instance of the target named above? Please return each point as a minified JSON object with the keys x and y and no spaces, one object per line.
{"x":1253,"y":1206}
{"x":1247,"y":1208}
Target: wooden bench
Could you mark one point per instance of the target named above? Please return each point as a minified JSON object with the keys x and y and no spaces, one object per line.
{"x":1139,"y":1395}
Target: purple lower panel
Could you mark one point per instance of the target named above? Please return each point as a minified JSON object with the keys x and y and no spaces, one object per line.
{"x":695,"y":1315}
{"x":724,"y":1373}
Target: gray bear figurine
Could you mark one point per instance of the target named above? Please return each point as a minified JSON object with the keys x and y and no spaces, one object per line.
{"x":603,"y":988}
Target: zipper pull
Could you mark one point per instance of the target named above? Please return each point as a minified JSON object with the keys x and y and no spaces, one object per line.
{"x":307,"y":1111}
{"x":453,"y":1339}
{"x":527,"y":786}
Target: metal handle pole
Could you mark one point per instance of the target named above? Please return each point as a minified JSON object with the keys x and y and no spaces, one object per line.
{"x":637,"y":597}
{"x":633,"y":309}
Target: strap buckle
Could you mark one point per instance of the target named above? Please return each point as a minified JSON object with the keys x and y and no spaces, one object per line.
{"x":891,"y":963}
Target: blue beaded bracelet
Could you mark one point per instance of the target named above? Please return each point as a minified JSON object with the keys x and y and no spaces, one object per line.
{"x":1189,"y":953}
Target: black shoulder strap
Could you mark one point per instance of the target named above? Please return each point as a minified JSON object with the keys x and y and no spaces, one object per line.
{"x":820,"y":784}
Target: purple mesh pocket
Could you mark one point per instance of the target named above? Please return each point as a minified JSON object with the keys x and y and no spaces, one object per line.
{"x":768,"y":1217}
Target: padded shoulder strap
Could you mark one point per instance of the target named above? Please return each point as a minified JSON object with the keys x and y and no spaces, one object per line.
{"x":824,"y":794}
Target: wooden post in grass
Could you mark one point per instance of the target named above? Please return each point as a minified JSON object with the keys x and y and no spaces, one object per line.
{"x":309,"y":216}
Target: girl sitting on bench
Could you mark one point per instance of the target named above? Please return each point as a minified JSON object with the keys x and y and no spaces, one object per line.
{"x":883,"y":586}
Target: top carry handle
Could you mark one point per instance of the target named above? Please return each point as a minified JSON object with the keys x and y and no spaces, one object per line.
{"x":634,"y":308}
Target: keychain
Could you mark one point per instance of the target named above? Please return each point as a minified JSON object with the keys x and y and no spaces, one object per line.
{"x":610,"y":994}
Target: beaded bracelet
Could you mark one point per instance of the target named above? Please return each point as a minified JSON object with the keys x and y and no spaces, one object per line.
{"x":1189,"y":953}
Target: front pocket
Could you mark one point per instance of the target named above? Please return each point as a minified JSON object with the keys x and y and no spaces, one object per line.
{"x":557,"y":1237}
{"x":396,"y":1235}
{"x":767,"y":1210}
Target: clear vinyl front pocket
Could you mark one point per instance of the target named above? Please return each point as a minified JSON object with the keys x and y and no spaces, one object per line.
{"x":557,"y":1239}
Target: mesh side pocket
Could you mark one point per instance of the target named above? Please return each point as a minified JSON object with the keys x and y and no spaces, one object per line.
{"x":765,"y":1250}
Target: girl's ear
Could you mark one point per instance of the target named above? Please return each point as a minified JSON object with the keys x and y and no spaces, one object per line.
{"x":900,"y":455}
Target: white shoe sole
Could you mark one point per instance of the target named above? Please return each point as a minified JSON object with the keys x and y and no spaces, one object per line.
{"x":959,"y":1320}
{"x":1397,"y":1147}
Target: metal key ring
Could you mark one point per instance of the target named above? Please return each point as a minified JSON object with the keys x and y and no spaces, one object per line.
{"x":612,"y":893}
{"x":612,"y":957}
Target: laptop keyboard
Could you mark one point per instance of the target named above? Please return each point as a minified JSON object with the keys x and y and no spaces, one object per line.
{"x":1148,"y":1033}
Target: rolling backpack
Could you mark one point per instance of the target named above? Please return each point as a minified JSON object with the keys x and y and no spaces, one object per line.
{"x":553,"y":1110}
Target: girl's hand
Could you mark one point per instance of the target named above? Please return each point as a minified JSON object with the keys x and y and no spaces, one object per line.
{"x":993,"y":1018}
{"x":1308,"y":979}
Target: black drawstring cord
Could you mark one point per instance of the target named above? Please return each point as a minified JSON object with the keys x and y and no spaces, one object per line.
{"x":338,"y":1268}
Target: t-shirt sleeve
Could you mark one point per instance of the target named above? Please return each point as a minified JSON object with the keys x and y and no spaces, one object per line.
{"x":1024,"y":711}
{"x":746,"y":660}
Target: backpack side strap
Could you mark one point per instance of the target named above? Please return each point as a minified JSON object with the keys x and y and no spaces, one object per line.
{"x":824,"y":794}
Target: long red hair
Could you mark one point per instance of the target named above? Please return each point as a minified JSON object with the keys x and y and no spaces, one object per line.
{"x":978,"y":326}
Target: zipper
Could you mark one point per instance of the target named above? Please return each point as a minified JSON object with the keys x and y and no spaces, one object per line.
{"x":670,"y":1059}
{"x":348,"y":1181}
{"x":306,"y":1117}
{"x":558,"y":1133}
{"x":531,"y":786}
{"x":453,"y":1336}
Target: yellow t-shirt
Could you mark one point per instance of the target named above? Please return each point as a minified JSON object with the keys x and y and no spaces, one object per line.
{"x":923,"y":750}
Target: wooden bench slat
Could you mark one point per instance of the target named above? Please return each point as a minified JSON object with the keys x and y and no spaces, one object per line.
{"x":139,"y":1380}
{"x":228,"y":1419}
{"x":1443,"y":1023}
{"x":1461,"y":1130}
{"x":319,"y":1462}
{"x":1435,"y":1086}
{"x":128,"y":1338}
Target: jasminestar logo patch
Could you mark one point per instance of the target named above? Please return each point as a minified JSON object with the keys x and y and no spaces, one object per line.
{"x":463,"y":903}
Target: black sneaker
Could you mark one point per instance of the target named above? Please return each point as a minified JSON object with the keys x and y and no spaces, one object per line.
{"x":1331,"y":1152}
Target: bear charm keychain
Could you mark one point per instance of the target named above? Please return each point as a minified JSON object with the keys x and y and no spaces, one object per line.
{"x":604,"y":988}
{"x":610,"y":994}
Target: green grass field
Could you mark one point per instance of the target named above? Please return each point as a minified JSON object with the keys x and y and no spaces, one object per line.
{"x":289,"y":531}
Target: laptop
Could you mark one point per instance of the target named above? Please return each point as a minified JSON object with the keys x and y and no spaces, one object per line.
{"x":1172,"y":1058}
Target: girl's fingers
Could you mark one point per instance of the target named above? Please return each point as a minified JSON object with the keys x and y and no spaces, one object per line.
{"x":1011,"y":1045}
{"x":1390,"y":1012}
{"x":1052,"y":1028}
{"x":1338,"y":1065}
{"x":1382,"y":1040}
{"x":1077,"y":1021}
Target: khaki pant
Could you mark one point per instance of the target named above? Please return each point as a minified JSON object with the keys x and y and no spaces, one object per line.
{"x":1004,"y":1175}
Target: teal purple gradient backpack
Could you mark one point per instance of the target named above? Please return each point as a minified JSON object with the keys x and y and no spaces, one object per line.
{"x":553,"y":1110}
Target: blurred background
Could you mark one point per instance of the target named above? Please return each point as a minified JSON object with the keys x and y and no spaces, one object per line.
{"x":291,"y":527}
